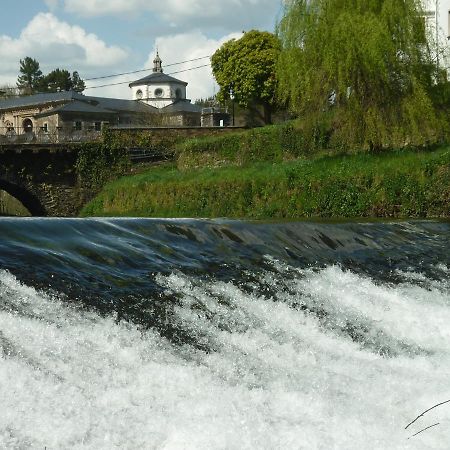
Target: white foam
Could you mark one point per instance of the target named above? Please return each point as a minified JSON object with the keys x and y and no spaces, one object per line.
{"x":279,"y":378}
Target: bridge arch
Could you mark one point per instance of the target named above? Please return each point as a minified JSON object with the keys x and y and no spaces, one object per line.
{"x":24,"y":196}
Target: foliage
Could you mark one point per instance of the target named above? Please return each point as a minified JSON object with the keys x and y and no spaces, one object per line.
{"x":61,"y":80}
{"x":272,"y":143}
{"x":99,"y":162}
{"x":78,"y":84}
{"x":246,"y":67}
{"x":206,"y":102}
{"x":30,"y":77}
{"x":32,"y":80}
{"x":369,"y":81}
{"x":407,"y":183}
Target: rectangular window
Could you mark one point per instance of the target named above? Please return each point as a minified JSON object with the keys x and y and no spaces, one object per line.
{"x":77,"y":126}
{"x":98,"y":126}
{"x":45,"y":128}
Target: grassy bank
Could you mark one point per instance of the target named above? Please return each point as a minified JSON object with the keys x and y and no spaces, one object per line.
{"x":406,"y":183}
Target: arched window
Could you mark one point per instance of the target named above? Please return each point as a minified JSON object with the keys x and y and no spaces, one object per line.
{"x":27,"y":125}
{"x":178,"y":93}
{"x":139,"y":94}
{"x":159,"y":92}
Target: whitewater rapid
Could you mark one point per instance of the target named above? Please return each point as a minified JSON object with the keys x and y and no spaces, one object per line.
{"x":278,"y":377}
{"x":218,"y":334}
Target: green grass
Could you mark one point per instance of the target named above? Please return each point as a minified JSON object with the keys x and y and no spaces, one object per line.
{"x":397,"y":184}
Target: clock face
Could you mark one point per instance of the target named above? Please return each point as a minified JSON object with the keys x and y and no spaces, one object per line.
{"x":158,"y":92}
{"x":139,"y":94}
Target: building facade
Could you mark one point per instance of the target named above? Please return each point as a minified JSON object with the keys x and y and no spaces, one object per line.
{"x":157,"y":100}
{"x":67,"y":115}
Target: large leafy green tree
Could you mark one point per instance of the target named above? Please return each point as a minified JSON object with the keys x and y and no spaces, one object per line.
{"x":30,"y":75}
{"x":361,"y":69}
{"x":245,"y":68}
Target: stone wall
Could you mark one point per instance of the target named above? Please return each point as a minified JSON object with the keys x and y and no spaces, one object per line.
{"x":43,"y":180}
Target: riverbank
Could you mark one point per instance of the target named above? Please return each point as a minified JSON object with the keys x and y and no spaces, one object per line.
{"x":394,"y":184}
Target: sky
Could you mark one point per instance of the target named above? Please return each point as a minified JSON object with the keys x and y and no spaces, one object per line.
{"x":105,"y":37}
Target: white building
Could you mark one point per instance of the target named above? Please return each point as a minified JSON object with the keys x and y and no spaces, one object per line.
{"x":437,"y":14}
{"x":168,"y":95}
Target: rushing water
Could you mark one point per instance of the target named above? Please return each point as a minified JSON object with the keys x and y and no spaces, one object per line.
{"x":200,"y":334}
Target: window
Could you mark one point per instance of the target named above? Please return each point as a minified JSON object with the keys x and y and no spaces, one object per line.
{"x":45,"y":127}
{"x":77,"y":126}
{"x":178,"y":93}
{"x":98,"y":126}
{"x":159,"y":92}
{"x":139,"y":94}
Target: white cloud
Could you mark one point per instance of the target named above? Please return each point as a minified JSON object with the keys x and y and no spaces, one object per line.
{"x":230,"y":14}
{"x":187,"y":46}
{"x":174,"y":49}
{"x":169,"y":8}
{"x":55,"y":43}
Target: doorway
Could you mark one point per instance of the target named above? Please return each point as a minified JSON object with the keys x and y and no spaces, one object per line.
{"x":27,"y":125}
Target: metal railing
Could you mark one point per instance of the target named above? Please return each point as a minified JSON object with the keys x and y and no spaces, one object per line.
{"x":11,"y":135}
{"x":149,"y":154}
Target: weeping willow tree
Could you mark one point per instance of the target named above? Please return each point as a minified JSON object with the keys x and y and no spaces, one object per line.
{"x":359,"y":71}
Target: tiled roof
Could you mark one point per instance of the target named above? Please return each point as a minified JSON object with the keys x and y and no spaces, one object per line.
{"x":181,"y":106}
{"x":118,"y":104}
{"x":157,"y":77}
{"x":39,"y":99}
{"x":76,"y":106}
{"x":68,"y":97}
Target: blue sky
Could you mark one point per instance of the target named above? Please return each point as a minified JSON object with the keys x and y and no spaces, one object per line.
{"x":102,"y":37}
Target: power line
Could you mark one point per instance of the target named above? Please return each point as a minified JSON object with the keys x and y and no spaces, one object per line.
{"x":129,"y":81}
{"x":143,"y":70}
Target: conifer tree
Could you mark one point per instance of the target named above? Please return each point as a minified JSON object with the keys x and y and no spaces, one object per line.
{"x":30,"y":77}
{"x":78,"y":84}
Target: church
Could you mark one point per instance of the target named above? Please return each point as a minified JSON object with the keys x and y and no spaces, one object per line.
{"x":168,"y":95}
{"x":157,"y":100}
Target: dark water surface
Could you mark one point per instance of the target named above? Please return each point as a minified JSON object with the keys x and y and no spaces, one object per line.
{"x":158,"y":333}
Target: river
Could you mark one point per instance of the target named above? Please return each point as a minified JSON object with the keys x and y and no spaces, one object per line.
{"x":220,"y":334}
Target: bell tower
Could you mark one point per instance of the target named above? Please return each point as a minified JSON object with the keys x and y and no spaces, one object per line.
{"x":158,"y":89}
{"x":157,"y":64}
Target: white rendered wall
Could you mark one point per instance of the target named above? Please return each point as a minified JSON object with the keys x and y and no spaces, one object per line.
{"x":167,"y":97}
{"x":442,"y":7}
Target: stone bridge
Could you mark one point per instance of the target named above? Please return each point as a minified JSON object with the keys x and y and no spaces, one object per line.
{"x":42,"y":177}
